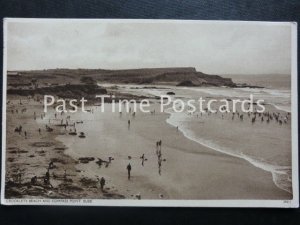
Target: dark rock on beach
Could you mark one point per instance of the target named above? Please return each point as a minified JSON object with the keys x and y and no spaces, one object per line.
{"x":170,"y":93}
{"x":86,"y":159}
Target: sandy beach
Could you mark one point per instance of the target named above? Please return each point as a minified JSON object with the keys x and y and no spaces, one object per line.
{"x":189,"y":170}
{"x":150,"y":113}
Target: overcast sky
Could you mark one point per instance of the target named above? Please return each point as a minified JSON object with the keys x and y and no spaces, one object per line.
{"x":214,"y":48}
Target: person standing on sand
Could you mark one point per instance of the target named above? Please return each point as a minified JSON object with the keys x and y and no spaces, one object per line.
{"x":129,"y":170}
{"x":143,"y":159}
{"x":102,"y":183}
{"x":157,"y":148}
{"x":40,"y":131}
{"x":128,"y":124}
{"x":47,"y":178}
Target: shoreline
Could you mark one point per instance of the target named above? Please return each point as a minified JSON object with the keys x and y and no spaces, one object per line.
{"x":268,"y":168}
{"x":161,"y":187}
{"x":279,"y":172}
{"x":169,"y":193}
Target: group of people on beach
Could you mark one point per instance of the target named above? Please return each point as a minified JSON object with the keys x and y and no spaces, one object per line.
{"x":65,"y":121}
{"x":279,"y":117}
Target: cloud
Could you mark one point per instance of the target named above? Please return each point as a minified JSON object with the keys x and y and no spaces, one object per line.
{"x":216,"y":48}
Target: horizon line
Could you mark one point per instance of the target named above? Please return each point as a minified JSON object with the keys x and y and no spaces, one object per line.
{"x":140,"y":68}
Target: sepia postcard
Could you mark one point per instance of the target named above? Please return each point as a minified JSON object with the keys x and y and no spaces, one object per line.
{"x":110,"y":112}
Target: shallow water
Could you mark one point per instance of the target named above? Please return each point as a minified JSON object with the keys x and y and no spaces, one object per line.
{"x":276,"y":160}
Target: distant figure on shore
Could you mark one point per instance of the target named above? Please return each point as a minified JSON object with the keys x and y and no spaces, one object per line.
{"x":143,"y":159}
{"x":129,"y":170}
{"x":33,"y":180}
{"x":102,"y":183}
{"x":40,"y":131}
{"x":128,"y":124}
{"x":157,"y":147}
{"x":159,"y":144}
{"x":51,"y":165}
{"x":47,"y":178}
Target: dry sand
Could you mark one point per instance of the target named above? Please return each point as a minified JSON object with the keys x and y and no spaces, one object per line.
{"x":191,"y":171}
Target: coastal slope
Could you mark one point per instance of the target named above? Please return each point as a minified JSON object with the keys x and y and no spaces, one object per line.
{"x":181,"y":76}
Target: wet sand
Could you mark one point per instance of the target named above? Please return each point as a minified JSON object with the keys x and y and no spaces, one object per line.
{"x":190,"y":170}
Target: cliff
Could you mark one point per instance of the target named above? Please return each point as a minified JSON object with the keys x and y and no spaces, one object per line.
{"x":183,"y":76}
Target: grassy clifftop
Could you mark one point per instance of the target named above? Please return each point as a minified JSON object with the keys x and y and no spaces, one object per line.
{"x":185,"y":76}
{"x":62,"y":91}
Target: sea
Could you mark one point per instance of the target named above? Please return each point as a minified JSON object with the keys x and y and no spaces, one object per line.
{"x":267,"y":147}
{"x":265,"y":150}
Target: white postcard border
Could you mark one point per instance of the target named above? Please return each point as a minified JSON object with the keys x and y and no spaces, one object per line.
{"x":294,"y":203}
